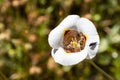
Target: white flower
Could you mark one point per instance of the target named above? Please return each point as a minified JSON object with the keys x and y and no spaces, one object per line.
{"x":73,"y":40}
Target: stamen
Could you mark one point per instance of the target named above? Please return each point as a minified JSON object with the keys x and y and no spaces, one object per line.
{"x":73,"y":41}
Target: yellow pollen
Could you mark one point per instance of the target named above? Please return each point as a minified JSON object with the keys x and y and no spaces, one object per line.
{"x":74,"y":44}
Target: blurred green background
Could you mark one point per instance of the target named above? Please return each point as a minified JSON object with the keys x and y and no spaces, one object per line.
{"x":24,"y":28}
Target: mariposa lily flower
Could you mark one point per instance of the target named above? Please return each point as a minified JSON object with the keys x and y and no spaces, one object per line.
{"x":73,"y":40}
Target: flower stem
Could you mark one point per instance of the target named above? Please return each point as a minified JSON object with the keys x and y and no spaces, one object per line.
{"x":100,"y":70}
{"x":2,"y":76}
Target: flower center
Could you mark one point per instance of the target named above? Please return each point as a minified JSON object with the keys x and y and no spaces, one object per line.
{"x":73,"y":41}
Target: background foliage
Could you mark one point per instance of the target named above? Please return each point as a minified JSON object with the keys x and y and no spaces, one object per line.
{"x":24,"y":29}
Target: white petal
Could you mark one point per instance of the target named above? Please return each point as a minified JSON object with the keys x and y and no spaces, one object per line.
{"x":86,"y":26}
{"x":56,"y":35}
{"x":67,"y":59}
{"x":92,"y":53}
{"x":55,"y":38}
{"x":93,"y":43}
{"x":69,"y":22}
